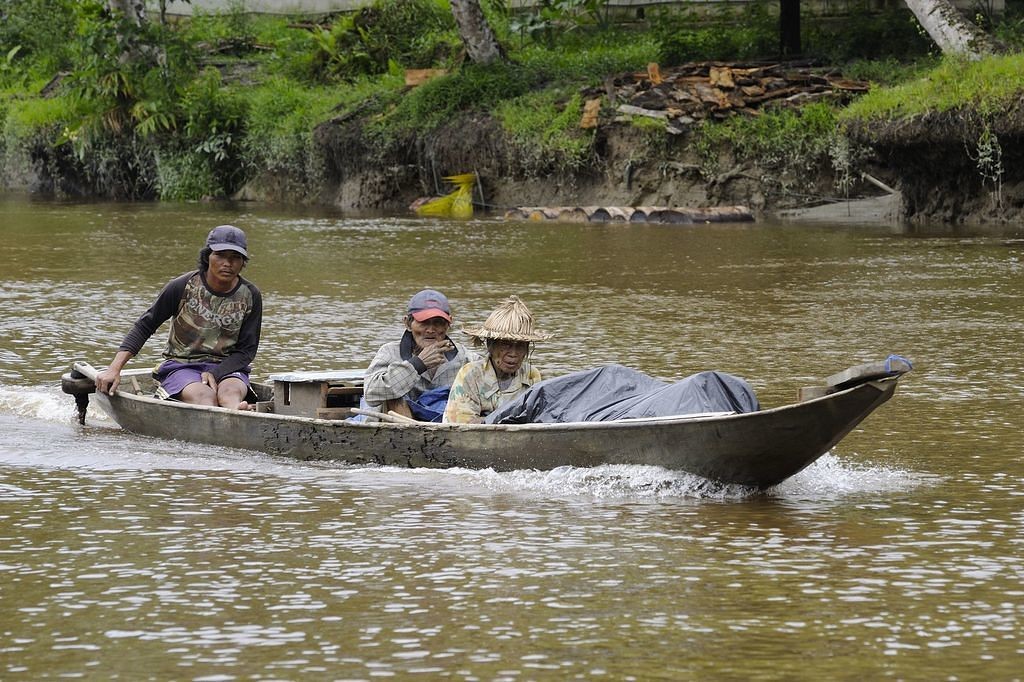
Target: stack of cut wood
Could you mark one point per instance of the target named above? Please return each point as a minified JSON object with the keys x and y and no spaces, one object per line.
{"x":687,"y":94}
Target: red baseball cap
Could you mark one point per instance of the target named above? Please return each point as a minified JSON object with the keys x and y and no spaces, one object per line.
{"x":429,"y":303}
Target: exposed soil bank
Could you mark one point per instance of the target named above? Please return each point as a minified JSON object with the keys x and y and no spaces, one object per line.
{"x":627,"y":170}
{"x":933,"y":166}
{"x":934,"y":162}
{"x":630,"y":167}
{"x":952,"y":167}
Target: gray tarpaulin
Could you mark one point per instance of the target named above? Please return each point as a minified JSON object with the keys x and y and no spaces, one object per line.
{"x":617,"y":392}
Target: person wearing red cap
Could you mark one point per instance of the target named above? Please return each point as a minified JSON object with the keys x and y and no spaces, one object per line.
{"x":425,"y":360}
{"x":216,"y":317}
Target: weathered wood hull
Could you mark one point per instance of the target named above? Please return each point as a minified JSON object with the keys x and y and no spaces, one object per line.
{"x":758,"y":449}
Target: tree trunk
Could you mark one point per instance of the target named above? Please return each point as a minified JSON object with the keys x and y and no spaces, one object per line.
{"x":950,"y":30}
{"x":481,"y":45}
{"x":789,"y":28}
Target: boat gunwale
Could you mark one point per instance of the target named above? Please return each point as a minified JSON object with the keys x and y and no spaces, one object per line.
{"x":638,"y":422}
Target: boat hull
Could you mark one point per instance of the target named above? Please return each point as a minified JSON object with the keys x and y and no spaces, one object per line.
{"x":758,"y":449}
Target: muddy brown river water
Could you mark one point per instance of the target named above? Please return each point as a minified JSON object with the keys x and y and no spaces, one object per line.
{"x":900,"y":555}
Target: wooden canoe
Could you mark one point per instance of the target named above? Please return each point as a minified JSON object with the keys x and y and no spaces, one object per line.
{"x":758,"y":449}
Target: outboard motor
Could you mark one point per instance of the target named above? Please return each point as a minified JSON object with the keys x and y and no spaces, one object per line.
{"x":80,"y":386}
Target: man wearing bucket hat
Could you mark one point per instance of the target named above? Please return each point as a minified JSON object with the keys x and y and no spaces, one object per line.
{"x":216,"y":316}
{"x":410,"y":376}
{"x":484,"y":385}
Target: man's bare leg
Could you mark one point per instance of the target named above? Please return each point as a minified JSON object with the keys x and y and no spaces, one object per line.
{"x":231,"y":393}
{"x":198,"y":393}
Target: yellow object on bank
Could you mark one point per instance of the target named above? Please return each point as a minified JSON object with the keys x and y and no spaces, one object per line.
{"x":458,"y":204}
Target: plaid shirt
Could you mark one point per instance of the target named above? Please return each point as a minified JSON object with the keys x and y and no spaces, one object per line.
{"x":475,"y":392}
{"x":397,"y":373}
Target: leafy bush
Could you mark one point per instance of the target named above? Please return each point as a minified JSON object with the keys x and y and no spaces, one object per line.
{"x":41,"y":29}
{"x":187,"y":175}
{"x":866,"y":33}
{"x":1008,"y":27}
{"x":212,"y":130}
{"x":209,"y":109}
{"x":235,"y":24}
{"x":862,"y":32}
{"x":727,"y":34}
{"x":548,"y":21}
{"x":276,"y":43}
{"x":473,"y":87}
{"x":113,"y":166}
{"x":27,"y":125}
{"x":127,"y":75}
{"x":411,"y":33}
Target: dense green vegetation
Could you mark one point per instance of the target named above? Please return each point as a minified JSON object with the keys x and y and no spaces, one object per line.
{"x":987,"y":86}
{"x":198,"y":107}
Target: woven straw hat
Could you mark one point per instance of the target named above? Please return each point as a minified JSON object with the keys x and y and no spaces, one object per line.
{"x":510,"y":321}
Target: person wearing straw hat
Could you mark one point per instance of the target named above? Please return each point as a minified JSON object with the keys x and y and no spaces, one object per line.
{"x":411,"y":376}
{"x":216,"y":316}
{"x":483,"y":385}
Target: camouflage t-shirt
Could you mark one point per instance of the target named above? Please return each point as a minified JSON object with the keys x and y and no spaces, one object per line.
{"x":205,"y":326}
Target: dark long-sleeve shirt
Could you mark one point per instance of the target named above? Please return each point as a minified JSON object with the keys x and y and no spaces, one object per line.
{"x":206,"y":326}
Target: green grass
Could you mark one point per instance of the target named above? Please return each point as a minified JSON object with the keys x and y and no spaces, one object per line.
{"x":472,"y":88}
{"x":284,"y":107}
{"x":486,"y":88}
{"x":237,"y":25}
{"x":545,"y":129}
{"x":776,"y":133}
{"x":888,"y":72}
{"x":615,"y":53}
{"x":787,"y":145}
{"x":27,"y":116}
{"x":281,"y":116}
{"x":653,"y":126}
{"x":988,"y":86}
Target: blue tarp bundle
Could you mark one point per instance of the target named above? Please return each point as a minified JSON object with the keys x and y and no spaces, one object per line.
{"x":617,"y":392}
{"x":429,"y":407}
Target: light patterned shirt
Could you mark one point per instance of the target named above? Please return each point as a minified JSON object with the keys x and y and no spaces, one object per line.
{"x":396,"y":372}
{"x":475,"y":393}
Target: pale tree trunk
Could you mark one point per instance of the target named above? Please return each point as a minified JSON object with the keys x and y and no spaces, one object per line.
{"x":481,"y":45}
{"x":950,"y":30}
{"x":133,"y":9}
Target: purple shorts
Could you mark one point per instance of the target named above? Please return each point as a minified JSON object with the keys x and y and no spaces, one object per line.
{"x":174,"y":376}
